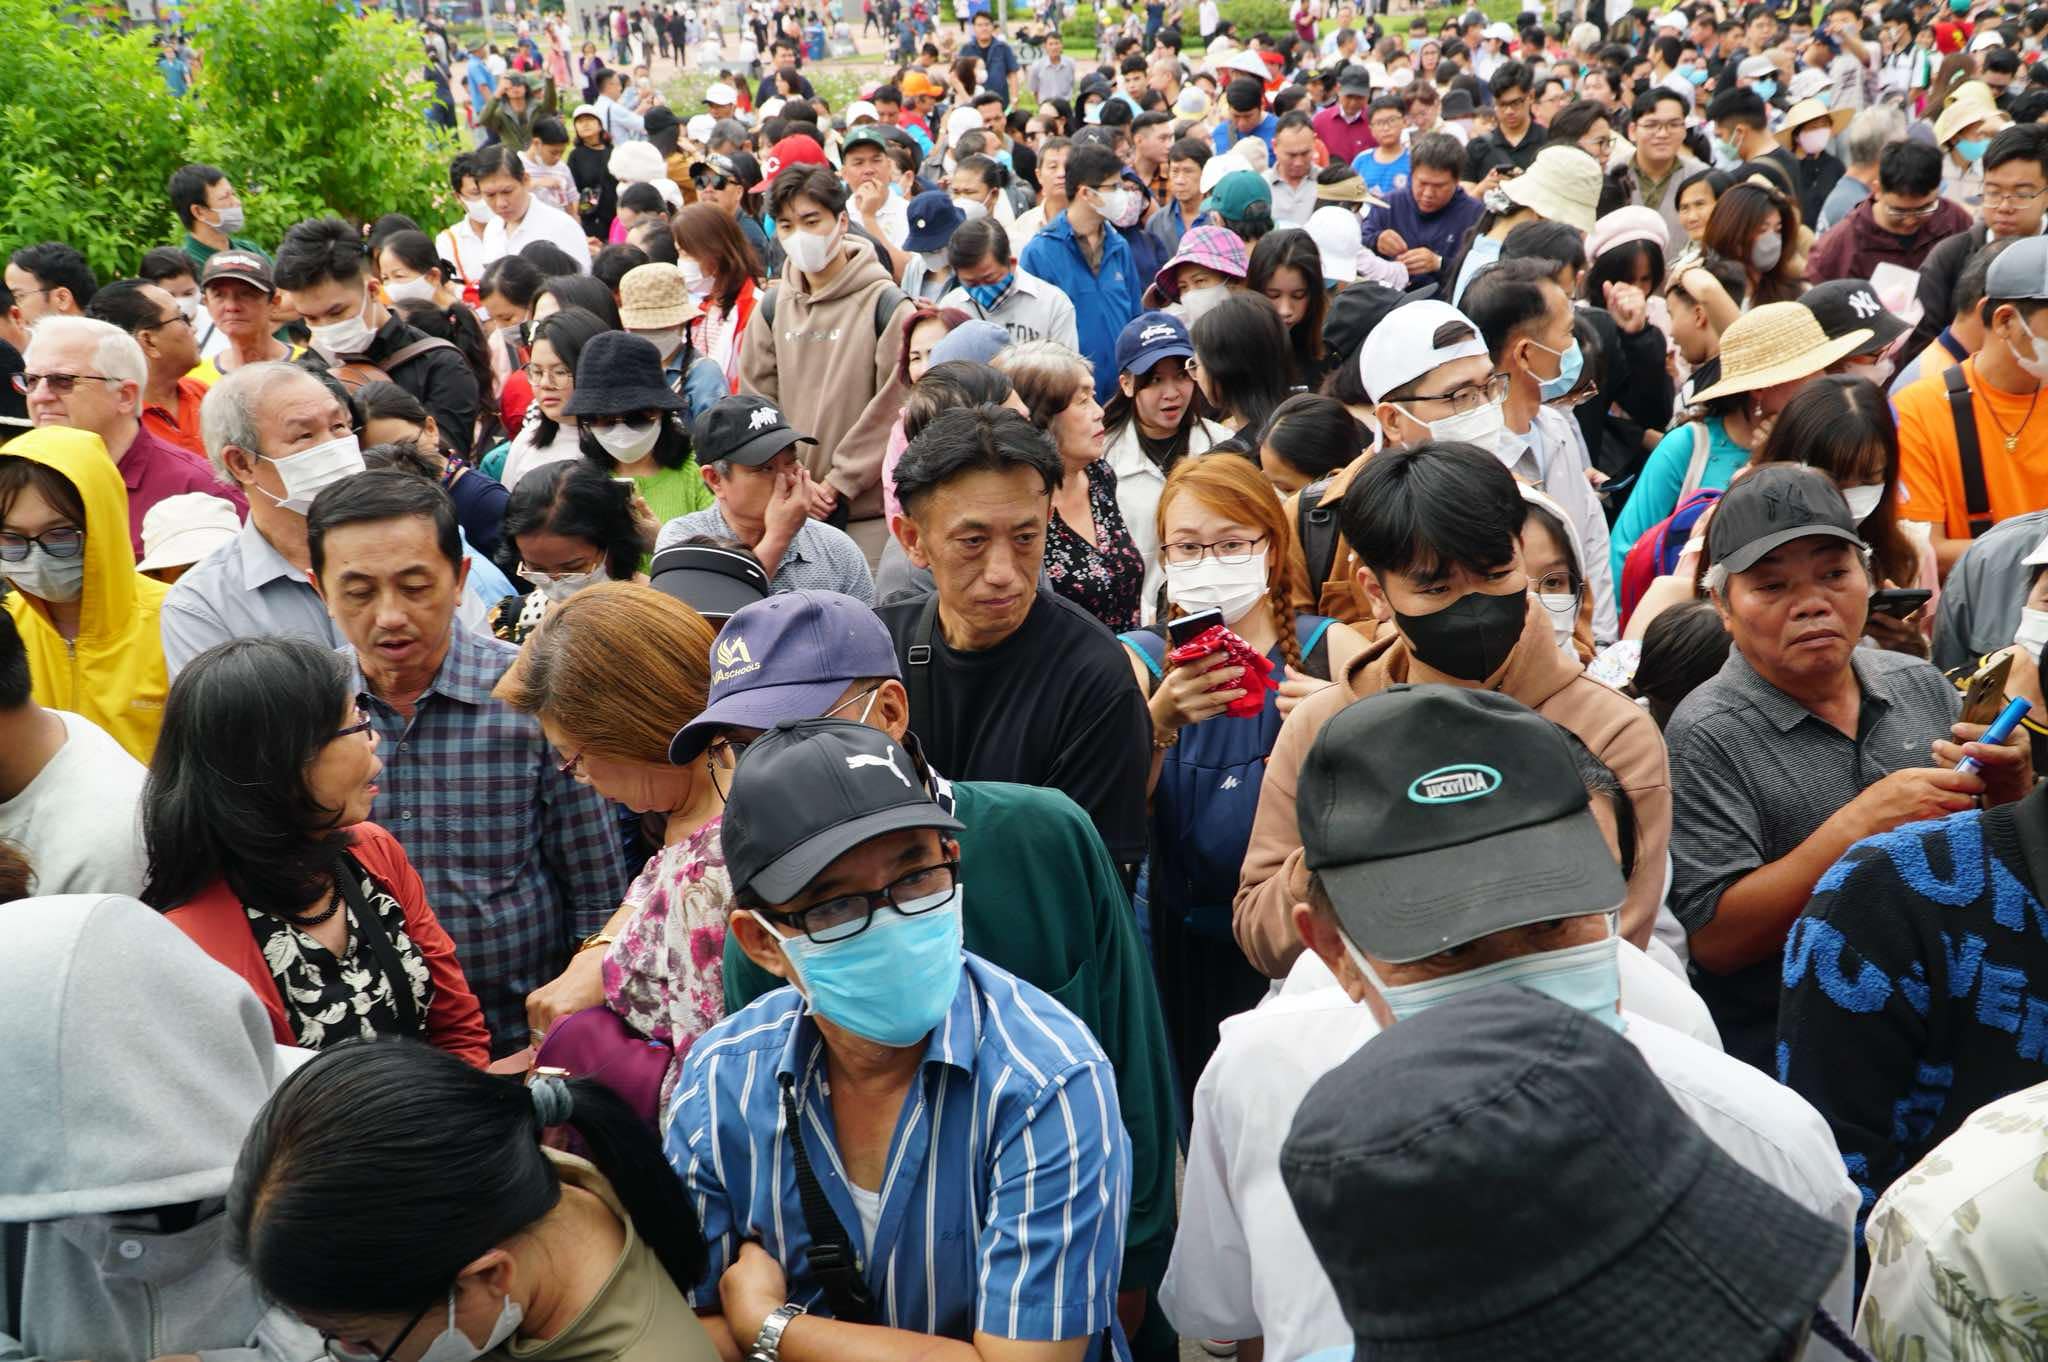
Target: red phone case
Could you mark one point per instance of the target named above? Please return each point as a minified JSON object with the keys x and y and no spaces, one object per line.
{"x":1258,"y":668}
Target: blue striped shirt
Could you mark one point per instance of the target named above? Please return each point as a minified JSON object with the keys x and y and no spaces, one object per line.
{"x":1008,"y":1183}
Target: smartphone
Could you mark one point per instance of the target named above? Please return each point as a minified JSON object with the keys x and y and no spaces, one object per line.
{"x":1190,"y":627}
{"x":1985,"y":697}
{"x":1899,"y":601}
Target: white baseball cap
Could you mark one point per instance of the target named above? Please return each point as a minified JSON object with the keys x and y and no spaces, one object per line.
{"x":699,"y":128}
{"x":859,"y":109}
{"x":180,"y":530}
{"x":1335,"y":232}
{"x":1402,"y":348}
{"x":721,"y":93}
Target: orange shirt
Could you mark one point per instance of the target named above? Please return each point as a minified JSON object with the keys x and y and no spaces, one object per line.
{"x":180,"y":427}
{"x":1931,"y":471}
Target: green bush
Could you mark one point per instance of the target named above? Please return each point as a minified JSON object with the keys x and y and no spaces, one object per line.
{"x":88,"y":136}
{"x":1250,"y":16}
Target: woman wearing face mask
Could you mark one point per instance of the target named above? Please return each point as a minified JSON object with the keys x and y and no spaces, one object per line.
{"x":260,"y":850}
{"x":87,"y":617}
{"x":1225,"y":544}
{"x":462,"y":242}
{"x":1754,"y":225}
{"x":567,"y":526}
{"x":1555,"y":560}
{"x":1089,"y":555}
{"x":550,"y":431}
{"x":1287,"y":268}
{"x":409,"y":270}
{"x":1238,"y":368}
{"x":616,"y":673}
{"x":403,"y":1204}
{"x":631,"y":425}
{"x":724,"y":276}
{"x":977,"y":185}
{"x":1209,"y":264}
{"x":388,"y":414}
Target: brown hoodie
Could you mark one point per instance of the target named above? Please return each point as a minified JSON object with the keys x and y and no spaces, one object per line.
{"x":1615,"y":729}
{"x":833,"y":377}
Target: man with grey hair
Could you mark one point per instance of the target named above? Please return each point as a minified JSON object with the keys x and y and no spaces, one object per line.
{"x":1802,"y":745}
{"x":1862,"y":140}
{"x":747,"y":452}
{"x":89,"y":375}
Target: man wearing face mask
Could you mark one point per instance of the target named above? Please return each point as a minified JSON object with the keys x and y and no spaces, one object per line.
{"x":2015,"y":205}
{"x":1526,"y":320}
{"x":992,"y":287}
{"x":1437,"y":531}
{"x":1467,"y":803}
{"x":1079,"y":254}
{"x":280,"y":435}
{"x":939,"y":1112}
{"x":210,"y":211}
{"x":320,"y":270}
{"x":933,"y":217}
{"x":1994,"y":441}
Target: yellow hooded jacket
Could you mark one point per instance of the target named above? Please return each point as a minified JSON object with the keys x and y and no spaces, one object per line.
{"x":113,"y":672}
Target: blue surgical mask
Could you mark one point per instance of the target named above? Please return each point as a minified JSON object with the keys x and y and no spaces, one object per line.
{"x":1586,"y":977}
{"x":895,"y":981}
{"x":1973,"y":149}
{"x":1569,"y":364}
{"x":1696,"y":74}
{"x":985,"y":295}
{"x":1765,"y":89}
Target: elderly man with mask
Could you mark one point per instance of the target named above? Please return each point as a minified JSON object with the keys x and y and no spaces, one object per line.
{"x":519,"y":855}
{"x":1437,"y":530}
{"x":89,"y":375}
{"x":1802,"y":745}
{"x":960,"y":1168}
{"x":1451,"y":848}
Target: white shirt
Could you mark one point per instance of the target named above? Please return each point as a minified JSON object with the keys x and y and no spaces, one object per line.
{"x":1551,"y":457}
{"x":77,"y":821}
{"x":463,"y":246}
{"x":1139,"y":482}
{"x":1033,"y":309}
{"x":541,"y":223}
{"x":1211,"y":14}
{"x":528,"y":453}
{"x":1241,"y":1265}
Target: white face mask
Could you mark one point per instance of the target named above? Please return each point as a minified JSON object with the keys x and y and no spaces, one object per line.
{"x":1233,"y":588}
{"x":1113,"y":203}
{"x":971,"y":208}
{"x":667,"y":340}
{"x":1813,"y":141}
{"x":627,"y":441}
{"x":559,"y":587}
{"x":478,"y":209}
{"x":1482,"y":426}
{"x":45,"y":577}
{"x":2032,"y":361}
{"x":349,"y":336}
{"x":2033,"y":631}
{"x":694,"y":278}
{"x":1562,"y":607}
{"x":1864,"y":501}
{"x":1196,"y":302}
{"x":307,"y":472}
{"x":811,"y":251}
{"x":452,"y":1345}
{"x":190,"y":306}
{"x":420,"y":289}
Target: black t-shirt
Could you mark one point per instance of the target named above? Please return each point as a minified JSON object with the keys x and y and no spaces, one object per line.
{"x":1054,"y":704}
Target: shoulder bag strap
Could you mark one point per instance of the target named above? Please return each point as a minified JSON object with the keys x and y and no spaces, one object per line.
{"x":14,"y":1246}
{"x":378,"y":939}
{"x":1969,"y":453}
{"x":406,"y":353}
{"x":832,"y":1257}
{"x":918,"y":658}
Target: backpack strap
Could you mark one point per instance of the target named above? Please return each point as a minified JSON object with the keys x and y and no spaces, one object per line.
{"x":405,"y":354}
{"x":1969,"y":453}
{"x":916,"y":655}
{"x":1312,"y":632}
{"x":14,"y":1249}
{"x":887,"y":299}
{"x":1696,"y":470}
{"x":1316,"y":526}
{"x":832,"y":1259}
{"x":767,"y":304}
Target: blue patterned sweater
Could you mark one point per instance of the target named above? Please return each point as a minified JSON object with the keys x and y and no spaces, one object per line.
{"x":1916,"y":989}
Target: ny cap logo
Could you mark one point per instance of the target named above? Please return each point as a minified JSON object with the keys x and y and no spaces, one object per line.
{"x":887,"y":763}
{"x":732,"y":652}
{"x":763,"y":416}
{"x":1864,"y":305}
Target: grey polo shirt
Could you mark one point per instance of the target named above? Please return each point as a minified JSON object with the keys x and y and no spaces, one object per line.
{"x":819,"y":558}
{"x":1754,"y":773}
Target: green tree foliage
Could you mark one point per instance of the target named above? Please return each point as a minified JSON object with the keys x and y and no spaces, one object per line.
{"x":311,"y":111}
{"x":88,"y":135}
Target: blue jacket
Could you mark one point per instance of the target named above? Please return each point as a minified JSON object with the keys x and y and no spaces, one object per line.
{"x":1224,"y":135}
{"x":1104,"y":300}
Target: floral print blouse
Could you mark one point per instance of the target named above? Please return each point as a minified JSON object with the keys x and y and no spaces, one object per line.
{"x":1106,"y":578}
{"x":328,"y":998}
{"x":664,"y":976}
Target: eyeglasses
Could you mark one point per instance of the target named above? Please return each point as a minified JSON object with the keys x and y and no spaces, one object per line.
{"x":845,"y":917}
{"x":2011,"y":198}
{"x":537,"y":373}
{"x":1917,"y":211}
{"x":570,"y":767}
{"x":60,"y":384}
{"x":1560,"y":583}
{"x":361,"y":725}
{"x":161,"y":322}
{"x":61,"y":541}
{"x":1660,"y":125}
{"x":1597,"y":146}
{"x":340,"y":1349}
{"x":1469,"y":398}
{"x":1232,"y":551}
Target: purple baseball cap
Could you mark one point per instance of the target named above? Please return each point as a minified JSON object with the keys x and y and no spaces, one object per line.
{"x":790,"y":656}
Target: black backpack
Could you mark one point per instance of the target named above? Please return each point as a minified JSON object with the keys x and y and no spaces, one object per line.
{"x":1315,"y":525}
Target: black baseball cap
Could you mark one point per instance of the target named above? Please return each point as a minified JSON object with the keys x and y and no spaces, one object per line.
{"x":1355,"y":80}
{"x":1554,"y":1200}
{"x":808,"y":791}
{"x":743,"y":430}
{"x":1845,"y":305}
{"x":1775,"y":505}
{"x":714,"y":582}
{"x":1435,"y":815}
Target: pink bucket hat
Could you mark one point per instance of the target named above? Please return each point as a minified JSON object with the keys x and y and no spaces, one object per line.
{"x":1624,"y":225}
{"x":1215,"y":248}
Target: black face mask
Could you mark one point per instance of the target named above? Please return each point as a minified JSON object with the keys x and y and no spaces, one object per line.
{"x":1471,"y":637}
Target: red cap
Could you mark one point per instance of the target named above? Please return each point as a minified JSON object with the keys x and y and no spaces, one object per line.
{"x":793,"y":150}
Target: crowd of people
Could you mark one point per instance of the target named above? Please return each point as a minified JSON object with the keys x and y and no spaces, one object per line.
{"x":1528,"y":537}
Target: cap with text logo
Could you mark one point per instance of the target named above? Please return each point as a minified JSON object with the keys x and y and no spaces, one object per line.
{"x":1773,"y":506}
{"x":1148,"y":338}
{"x":791,"y":656}
{"x":1842,"y":306}
{"x":1436,"y":815}
{"x":745,"y":430}
{"x":244,"y":267}
{"x":808,"y":791}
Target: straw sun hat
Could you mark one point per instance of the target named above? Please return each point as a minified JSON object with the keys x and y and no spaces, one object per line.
{"x":1777,"y":343}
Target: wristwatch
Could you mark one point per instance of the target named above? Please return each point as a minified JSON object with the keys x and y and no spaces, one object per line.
{"x":768,"y":1343}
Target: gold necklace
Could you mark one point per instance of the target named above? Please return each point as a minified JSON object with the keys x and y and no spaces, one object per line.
{"x":2012,"y":440}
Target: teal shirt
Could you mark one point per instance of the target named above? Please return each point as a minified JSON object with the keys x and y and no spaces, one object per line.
{"x":1656,"y":492}
{"x":1044,"y":901}
{"x":200,"y":252}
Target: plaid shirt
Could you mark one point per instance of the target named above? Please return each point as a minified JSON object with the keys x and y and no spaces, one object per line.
{"x":520,"y":861}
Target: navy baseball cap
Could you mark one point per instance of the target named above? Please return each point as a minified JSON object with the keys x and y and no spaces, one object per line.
{"x":790,"y":656}
{"x":1150,"y":337}
{"x":933,"y":219}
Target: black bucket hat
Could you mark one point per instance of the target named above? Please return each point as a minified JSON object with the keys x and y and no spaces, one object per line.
{"x":620,"y":372}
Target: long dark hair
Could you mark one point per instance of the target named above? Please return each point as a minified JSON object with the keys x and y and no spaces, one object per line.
{"x":1121,"y":410}
{"x":1292,"y":248}
{"x":227,"y":796}
{"x":1732,"y":228}
{"x":381,"y":1169}
{"x":576,"y":501}
{"x":567,"y":332}
{"x":1239,"y":341}
{"x":705,"y":231}
{"x":1832,"y":423}
{"x":1682,"y":648}
{"x":1315,"y":434}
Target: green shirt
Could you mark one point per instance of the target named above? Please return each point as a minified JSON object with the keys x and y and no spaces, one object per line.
{"x":1044,"y":901}
{"x":675,"y":491}
{"x":201,"y":252}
